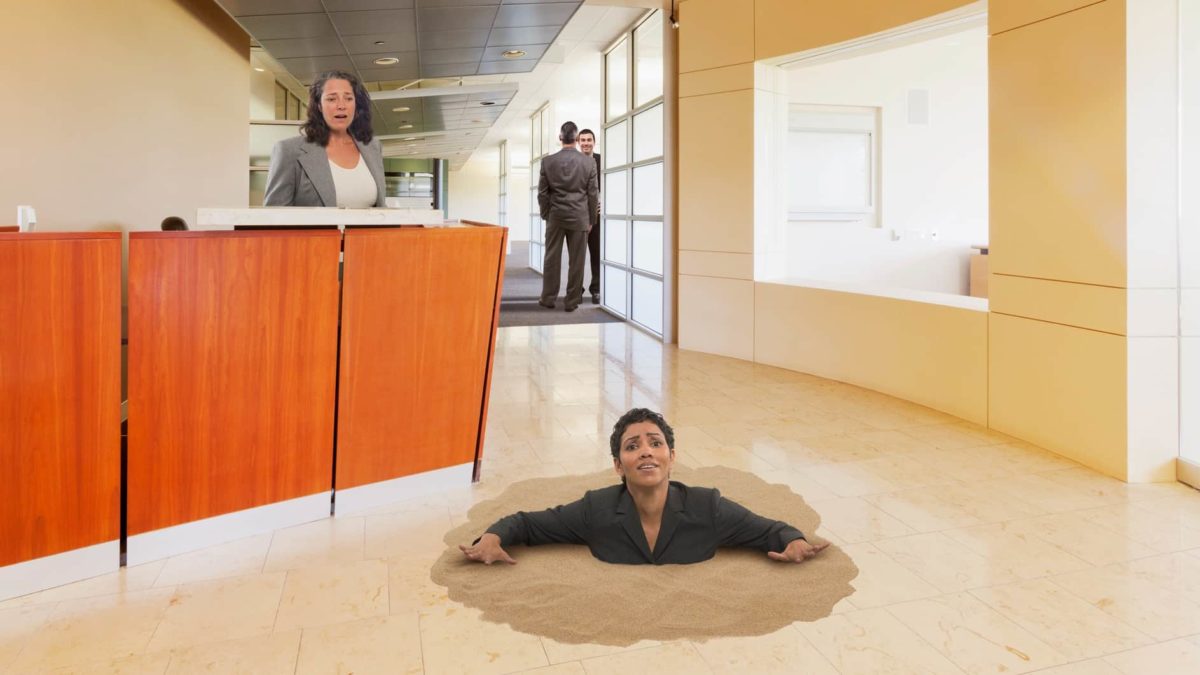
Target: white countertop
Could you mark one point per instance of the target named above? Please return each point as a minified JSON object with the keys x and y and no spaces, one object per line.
{"x":217,"y":219}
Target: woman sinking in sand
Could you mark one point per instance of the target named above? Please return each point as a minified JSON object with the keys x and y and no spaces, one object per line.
{"x":648,"y":519}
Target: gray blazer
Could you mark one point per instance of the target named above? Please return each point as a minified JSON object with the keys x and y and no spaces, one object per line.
{"x":568,"y":192}
{"x":300,"y":174}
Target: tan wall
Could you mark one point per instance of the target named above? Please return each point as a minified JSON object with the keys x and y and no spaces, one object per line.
{"x":929,"y":354}
{"x":122,"y":113}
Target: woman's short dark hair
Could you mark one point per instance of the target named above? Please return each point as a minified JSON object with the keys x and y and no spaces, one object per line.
{"x":315,"y":129}
{"x":636,"y":416}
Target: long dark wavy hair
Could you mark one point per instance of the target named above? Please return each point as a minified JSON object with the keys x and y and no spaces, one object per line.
{"x":315,"y":129}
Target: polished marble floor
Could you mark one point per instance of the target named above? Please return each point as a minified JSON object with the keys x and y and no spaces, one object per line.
{"x":978,"y":553}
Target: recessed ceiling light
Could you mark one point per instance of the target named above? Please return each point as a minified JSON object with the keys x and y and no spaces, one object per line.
{"x":261,"y":70}
{"x":405,"y":126}
{"x":412,"y":138}
{"x":379,"y":42}
{"x":513,"y":53}
{"x":487,"y":103}
{"x":387,"y":61}
{"x":402,"y":108}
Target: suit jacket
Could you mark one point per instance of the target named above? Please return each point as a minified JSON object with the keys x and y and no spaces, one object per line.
{"x":695,"y":522}
{"x":599,"y":188}
{"x":568,"y":191}
{"x":300,"y":175}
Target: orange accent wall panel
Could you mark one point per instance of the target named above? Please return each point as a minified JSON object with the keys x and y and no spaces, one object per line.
{"x":418,"y":325}
{"x":232,"y":366}
{"x":60,"y":392}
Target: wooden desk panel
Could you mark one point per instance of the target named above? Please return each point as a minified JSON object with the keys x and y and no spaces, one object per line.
{"x":232,"y":358}
{"x":60,"y":392}
{"x":9,"y":228}
{"x":418,"y":324}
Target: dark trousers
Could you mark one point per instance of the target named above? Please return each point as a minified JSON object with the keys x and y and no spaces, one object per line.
{"x":552,"y":265}
{"x":594,"y":257}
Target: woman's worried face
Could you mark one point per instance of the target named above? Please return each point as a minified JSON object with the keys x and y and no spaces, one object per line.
{"x":644,"y":460}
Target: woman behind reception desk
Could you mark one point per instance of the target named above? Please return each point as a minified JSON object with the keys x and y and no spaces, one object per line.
{"x":336,"y":161}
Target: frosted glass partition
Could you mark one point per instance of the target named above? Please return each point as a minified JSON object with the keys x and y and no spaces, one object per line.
{"x":648,"y":134}
{"x":647,"y":302}
{"x":615,"y":241}
{"x":648,"y":60}
{"x":615,"y":193}
{"x":616,"y":141}
{"x":616,"y":284}
{"x":648,"y":190}
{"x":616,"y":73}
{"x":648,"y":246}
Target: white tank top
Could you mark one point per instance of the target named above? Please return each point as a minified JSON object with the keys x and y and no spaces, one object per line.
{"x":355,"y":188}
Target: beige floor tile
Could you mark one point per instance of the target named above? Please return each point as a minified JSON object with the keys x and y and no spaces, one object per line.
{"x":1088,"y":667}
{"x":1177,"y":657}
{"x":390,"y":644}
{"x":265,"y":655}
{"x":1070,"y":625}
{"x":974,"y":636}
{"x":1051,"y":496}
{"x":801,"y":484}
{"x":873,"y":641}
{"x":200,"y":612}
{"x":784,"y":651}
{"x":891,"y":441}
{"x":925,"y":510}
{"x":883,"y":581}
{"x":1158,"y":532}
{"x":945,"y":563}
{"x":569,"y":668}
{"x":318,"y":596}
{"x":234,"y":559}
{"x":672,"y":657}
{"x":1162,"y":611}
{"x":1009,"y":547}
{"x":17,"y":626}
{"x":92,"y":630}
{"x":1081,"y":538}
{"x":853,"y":520}
{"x":126,"y":580}
{"x":494,"y":648}
{"x":405,"y":533}
{"x":1176,"y":572}
{"x":144,"y":664}
{"x":323,"y":542}
{"x":560,"y":652}
{"x":951,"y":436}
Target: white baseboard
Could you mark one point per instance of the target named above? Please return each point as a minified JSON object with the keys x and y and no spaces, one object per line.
{"x":1188,"y":472}
{"x":169,"y":541}
{"x":39,"y":574}
{"x":357,"y":499}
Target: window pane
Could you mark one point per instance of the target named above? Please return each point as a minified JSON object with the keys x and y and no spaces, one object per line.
{"x":550,"y":144}
{"x":648,"y":134}
{"x":648,"y":190}
{"x":535,"y":135}
{"x":535,"y":229}
{"x":616,"y":280}
{"x":648,"y":246}
{"x":614,"y":193}
{"x":616,"y":151}
{"x":647,"y":302}
{"x":615,"y":240}
{"x":648,"y":50}
{"x":535,"y":256}
{"x":281,"y":96}
{"x":617,"y":71}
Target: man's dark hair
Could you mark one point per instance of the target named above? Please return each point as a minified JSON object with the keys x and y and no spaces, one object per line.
{"x":568,"y":132}
{"x":315,"y":129}
{"x":589,"y":132}
{"x":634,"y":417}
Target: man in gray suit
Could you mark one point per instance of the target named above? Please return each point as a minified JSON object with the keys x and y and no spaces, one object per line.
{"x":568,"y":195}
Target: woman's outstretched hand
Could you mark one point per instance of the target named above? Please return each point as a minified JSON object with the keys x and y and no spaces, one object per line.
{"x":487,"y":551}
{"x":797,"y":551}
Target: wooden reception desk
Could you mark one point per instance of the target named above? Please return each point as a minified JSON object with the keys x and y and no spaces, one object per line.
{"x":60,"y":408}
{"x":245,"y":350}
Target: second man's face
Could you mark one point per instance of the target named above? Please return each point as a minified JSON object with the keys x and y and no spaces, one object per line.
{"x":587,"y":143}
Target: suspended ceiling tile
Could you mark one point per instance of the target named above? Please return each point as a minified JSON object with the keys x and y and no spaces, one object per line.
{"x":375,"y":21}
{"x":401,"y":41}
{"x":551,"y":14}
{"x":327,"y":45}
{"x":362,"y":5}
{"x":313,"y":65}
{"x":240,"y":8}
{"x":388,"y":73}
{"x":457,"y":3}
{"x":407,"y":62}
{"x":532,"y":52}
{"x":434,"y":57}
{"x":449,"y":39}
{"x":283,"y":26}
{"x":503,"y":37}
{"x":456,"y":18}
{"x":447,"y":69}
